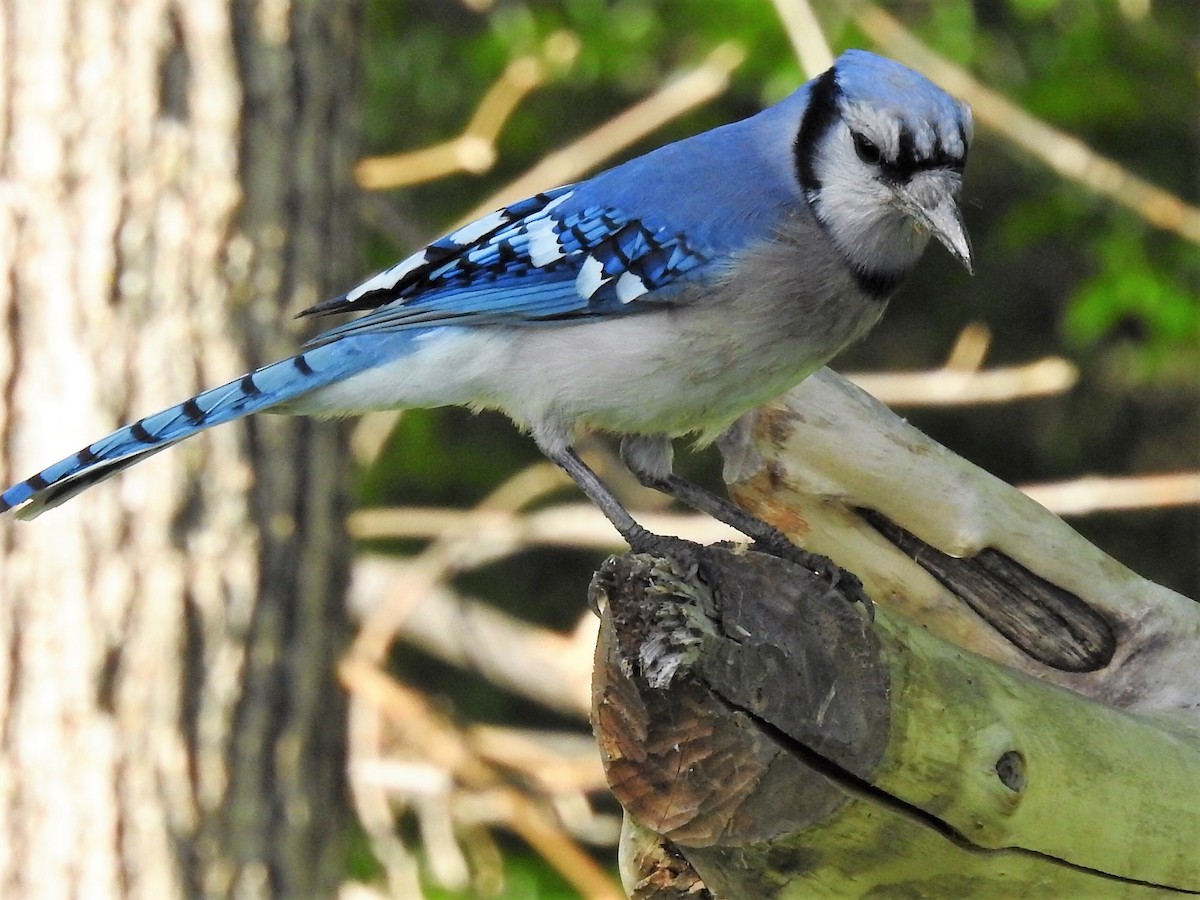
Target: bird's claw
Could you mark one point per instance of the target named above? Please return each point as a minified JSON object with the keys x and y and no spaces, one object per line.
{"x":846,"y":584}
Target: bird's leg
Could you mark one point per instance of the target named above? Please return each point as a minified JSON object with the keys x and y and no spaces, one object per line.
{"x":649,"y":459}
{"x":637,"y":537}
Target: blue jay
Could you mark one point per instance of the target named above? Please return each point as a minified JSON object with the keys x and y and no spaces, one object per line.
{"x":664,"y":297}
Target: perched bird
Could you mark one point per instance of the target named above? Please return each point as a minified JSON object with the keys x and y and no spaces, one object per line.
{"x":664,"y":297}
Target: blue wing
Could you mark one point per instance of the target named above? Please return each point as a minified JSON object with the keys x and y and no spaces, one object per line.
{"x":541,"y":260}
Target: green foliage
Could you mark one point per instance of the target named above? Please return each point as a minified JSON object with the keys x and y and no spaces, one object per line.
{"x":1158,"y":298}
{"x":524,"y":879}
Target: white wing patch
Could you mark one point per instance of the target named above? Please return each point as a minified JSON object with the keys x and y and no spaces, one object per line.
{"x":473,"y":231}
{"x":555,"y":202}
{"x":544,"y":246}
{"x":591,"y":277}
{"x":630,"y":287}
{"x":388,"y":278}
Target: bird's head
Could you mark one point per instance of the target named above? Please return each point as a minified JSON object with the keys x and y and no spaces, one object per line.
{"x":880,"y":156}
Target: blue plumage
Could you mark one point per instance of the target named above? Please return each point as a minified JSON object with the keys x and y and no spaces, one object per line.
{"x":553,"y":263}
{"x":261,"y":389}
{"x":669,"y":294}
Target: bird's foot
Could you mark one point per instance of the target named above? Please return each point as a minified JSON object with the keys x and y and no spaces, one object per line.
{"x":685,"y":557}
{"x":768,"y":540}
{"x":847,"y":584}
{"x":642,"y":541}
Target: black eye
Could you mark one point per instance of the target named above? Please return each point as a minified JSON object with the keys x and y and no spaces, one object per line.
{"x":866,"y":149}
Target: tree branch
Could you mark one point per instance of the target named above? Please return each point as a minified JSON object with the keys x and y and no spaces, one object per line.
{"x":753,"y":722}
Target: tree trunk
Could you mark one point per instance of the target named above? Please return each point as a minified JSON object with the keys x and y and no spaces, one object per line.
{"x":175,"y":186}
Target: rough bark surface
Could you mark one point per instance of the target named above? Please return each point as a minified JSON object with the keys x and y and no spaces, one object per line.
{"x":767,"y":740}
{"x":732,"y":693}
{"x":174,"y":185}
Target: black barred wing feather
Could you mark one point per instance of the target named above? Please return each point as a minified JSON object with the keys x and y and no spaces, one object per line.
{"x":401,"y":279}
{"x":539,"y":260}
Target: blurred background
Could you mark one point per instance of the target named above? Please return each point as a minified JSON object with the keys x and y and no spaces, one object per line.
{"x":1080,"y":199}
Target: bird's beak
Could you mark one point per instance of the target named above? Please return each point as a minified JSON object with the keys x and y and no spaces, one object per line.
{"x":934,"y":208}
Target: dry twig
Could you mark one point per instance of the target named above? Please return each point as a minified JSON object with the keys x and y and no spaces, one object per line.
{"x":497,"y":533}
{"x":474,"y":150}
{"x":677,"y":97}
{"x":1092,"y":494}
{"x":804,"y":31}
{"x":951,"y":387}
{"x":474,"y":790}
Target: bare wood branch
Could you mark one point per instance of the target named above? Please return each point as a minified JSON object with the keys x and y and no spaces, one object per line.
{"x":785,"y":744}
{"x":697,"y":86}
{"x":804,"y":31}
{"x":818,"y":457}
{"x":950,"y":387}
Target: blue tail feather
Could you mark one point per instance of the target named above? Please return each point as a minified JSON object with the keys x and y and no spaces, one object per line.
{"x":254,"y":392}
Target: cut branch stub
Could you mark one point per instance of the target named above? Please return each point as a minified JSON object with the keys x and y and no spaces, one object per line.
{"x":726,"y":689}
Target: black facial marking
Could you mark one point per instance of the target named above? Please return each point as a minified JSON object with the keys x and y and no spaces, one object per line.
{"x":908,"y":162}
{"x":878,"y":285}
{"x":906,"y":156}
{"x":822,"y":112}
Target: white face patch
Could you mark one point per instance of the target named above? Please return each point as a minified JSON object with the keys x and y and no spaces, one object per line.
{"x":860,"y":211}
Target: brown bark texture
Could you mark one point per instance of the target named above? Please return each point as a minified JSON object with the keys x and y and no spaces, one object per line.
{"x":174,"y":186}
